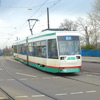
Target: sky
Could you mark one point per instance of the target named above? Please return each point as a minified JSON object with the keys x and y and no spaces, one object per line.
{"x":15,"y":13}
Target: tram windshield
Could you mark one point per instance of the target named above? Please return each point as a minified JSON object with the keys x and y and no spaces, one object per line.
{"x":69,"y":45}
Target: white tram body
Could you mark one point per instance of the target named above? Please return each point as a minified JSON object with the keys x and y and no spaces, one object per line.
{"x":51,"y":51}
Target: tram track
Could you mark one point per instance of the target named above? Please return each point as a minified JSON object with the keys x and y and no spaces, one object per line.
{"x":6,"y":94}
{"x":32,"y":88}
{"x":39,"y":91}
{"x":82,"y":81}
{"x":59,"y":75}
{"x":67,"y":77}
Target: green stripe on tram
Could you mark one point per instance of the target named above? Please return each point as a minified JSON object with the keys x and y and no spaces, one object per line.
{"x":42,"y":36}
{"x":51,"y":34}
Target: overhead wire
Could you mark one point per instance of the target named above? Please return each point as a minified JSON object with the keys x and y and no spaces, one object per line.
{"x":21,"y":27}
{"x":19,"y":7}
{"x":55,"y":2}
{"x":34,"y":13}
{"x":40,"y":8}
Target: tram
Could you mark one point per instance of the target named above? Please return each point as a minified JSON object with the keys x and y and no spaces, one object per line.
{"x":53,"y":50}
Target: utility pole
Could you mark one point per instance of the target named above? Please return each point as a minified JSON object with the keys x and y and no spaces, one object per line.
{"x":48,"y":18}
{"x":27,"y":51}
{"x":31,"y":26}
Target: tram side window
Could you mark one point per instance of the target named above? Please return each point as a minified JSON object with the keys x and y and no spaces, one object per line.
{"x":20,"y":49}
{"x":43,"y":49}
{"x":30,"y":49}
{"x":15,"y":48}
{"x":52,"y":49}
{"x":24,"y":48}
{"x":23,"y":51}
{"x":34,"y":49}
{"x":38,"y":49}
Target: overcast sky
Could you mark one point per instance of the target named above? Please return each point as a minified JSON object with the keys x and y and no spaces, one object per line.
{"x":15,"y":13}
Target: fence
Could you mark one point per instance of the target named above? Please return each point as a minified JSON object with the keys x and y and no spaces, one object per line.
{"x":0,"y":54}
{"x":93,"y":53}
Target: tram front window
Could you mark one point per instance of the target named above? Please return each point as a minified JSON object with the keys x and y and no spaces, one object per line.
{"x":69,"y":45}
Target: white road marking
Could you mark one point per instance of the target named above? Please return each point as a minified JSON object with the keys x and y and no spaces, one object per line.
{"x":61,"y":94}
{"x":90,"y":91}
{"x":46,"y":77}
{"x":10,"y":79}
{"x":23,"y":79}
{"x":96,"y":73}
{"x":21,"y":96}
{"x":26,"y":74}
{"x":76,"y":93}
{"x":1,"y":98}
{"x":86,"y":72}
{"x":89,"y":75}
{"x":38,"y":95}
{"x":35,"y":78}
{"x":55,"y":77}
{"x":1,"y":69}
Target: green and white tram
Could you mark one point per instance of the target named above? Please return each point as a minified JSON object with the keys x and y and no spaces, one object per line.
{"x":56,"y":51}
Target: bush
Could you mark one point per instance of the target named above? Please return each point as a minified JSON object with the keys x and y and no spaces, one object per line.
{"x":88,"y":47}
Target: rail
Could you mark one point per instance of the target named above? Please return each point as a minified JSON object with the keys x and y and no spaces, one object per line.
{"x":6,"y":94}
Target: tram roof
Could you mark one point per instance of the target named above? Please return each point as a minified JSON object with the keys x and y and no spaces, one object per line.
{"x":51,"y":29}
{"x":49,"y":32}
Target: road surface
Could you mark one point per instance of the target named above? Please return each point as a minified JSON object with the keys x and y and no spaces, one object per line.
{"x":26,"y":83}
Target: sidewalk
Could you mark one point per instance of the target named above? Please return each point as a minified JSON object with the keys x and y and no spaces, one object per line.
{"x":91,"y":59}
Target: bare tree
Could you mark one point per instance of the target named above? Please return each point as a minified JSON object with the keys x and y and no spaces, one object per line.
{"x":80,"y":25}
{"x":95,"y":29}
{"x":97,"y":7}
{"x":94,"y":18}
{"x":84,"y":28}
{"x":68,"y":24}
{"x":89,"y":29}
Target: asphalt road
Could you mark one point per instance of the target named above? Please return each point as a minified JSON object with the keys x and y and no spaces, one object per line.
{"x":91,"y":67}
{"x":26,"y":83}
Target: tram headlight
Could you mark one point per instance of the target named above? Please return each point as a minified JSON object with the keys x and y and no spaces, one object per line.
{"x":78,"y":57}
{"x":62,"y":58}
